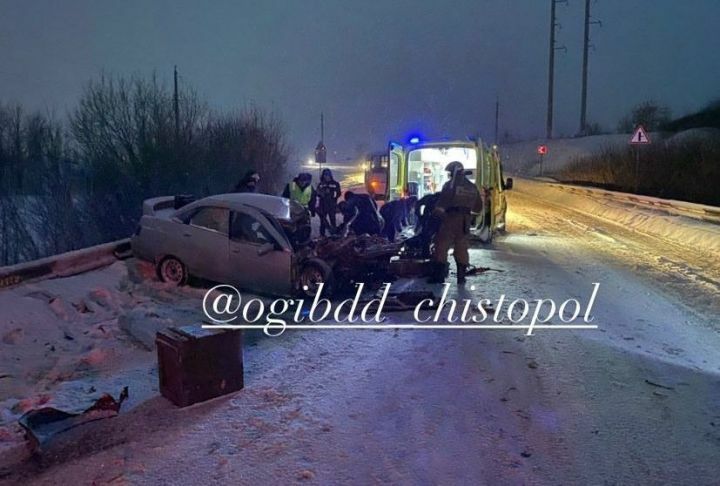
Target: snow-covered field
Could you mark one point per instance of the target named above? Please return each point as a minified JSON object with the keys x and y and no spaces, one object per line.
{"x":634,"y":401}
{"x":521,"y":158}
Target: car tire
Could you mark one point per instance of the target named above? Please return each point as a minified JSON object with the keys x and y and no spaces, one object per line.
{"x":171,"y":270}
{"x":311,"y":275}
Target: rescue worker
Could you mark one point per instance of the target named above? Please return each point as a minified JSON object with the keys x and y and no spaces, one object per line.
{"x":300,"y":189}
{"x":248,"y":183}
{"x":328,"y":191}
{"x":423,"y":212}
{"x":459,"y":200}
{"x":360,"y":214}
{"x":396,"y":214}
{"x":426,"y":226}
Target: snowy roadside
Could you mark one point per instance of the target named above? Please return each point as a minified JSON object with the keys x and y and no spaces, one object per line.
{"x":665,"y":220}
{"x":661,"y":296}
{"x":66,"y":341}
{"x":521,"y":157}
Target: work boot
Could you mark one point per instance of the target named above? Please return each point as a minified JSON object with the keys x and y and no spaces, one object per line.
{"x":461,"y":272}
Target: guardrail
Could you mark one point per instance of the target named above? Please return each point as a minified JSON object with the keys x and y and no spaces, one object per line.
{"x":709,"y":214}
{"x":65,"y":264}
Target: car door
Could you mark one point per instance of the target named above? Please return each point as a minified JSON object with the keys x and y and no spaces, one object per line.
{"x":260,"y":256}
{"x":202,"y":242}
{"x":482,"y":225}
{"x":396,"y":180}
{"x":500,"y":198}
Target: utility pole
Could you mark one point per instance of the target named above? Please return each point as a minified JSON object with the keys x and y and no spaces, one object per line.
{"x":176,"y":106}
{"x":497,"y":117}
{"x":551,"y":67}
{"x":586,"y":48}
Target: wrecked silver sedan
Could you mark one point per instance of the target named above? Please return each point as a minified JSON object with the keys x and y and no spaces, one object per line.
{"x":253,"y":241}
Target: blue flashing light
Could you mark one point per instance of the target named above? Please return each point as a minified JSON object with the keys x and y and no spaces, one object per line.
{"x":415,"y":140}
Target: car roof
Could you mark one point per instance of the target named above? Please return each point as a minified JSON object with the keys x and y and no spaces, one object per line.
{"x":279,"y":207}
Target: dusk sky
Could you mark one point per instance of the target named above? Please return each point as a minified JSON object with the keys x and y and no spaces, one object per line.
{"x":377,"y":69}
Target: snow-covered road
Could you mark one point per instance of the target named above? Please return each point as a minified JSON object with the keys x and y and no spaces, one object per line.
{"x":635,"y":401}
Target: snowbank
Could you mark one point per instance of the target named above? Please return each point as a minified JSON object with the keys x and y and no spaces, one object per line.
{"x":681,"y":223}
{"x":65,"y":341}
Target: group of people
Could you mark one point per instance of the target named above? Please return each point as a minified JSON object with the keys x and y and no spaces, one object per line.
{"x":443,"y":218}
{"x":321,"y":200}
{"x":360,"y":212}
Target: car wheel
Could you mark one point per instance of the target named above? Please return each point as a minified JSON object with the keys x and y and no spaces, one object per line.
{"x":311,"y":276}
{"x":172,"y":270}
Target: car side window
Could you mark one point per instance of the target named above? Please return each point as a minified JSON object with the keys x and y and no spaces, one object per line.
{"x":245,"y":228}
{"x":215,"y":219}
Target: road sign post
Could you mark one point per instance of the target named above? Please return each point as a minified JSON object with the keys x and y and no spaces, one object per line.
{"x":638,"y":138}
{"x":542,"y":150}
{"x":320,"y":156}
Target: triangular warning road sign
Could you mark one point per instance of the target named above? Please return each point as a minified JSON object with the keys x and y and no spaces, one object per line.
{"x":640,"y":136}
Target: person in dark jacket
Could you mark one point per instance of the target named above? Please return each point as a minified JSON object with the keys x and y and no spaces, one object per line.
{"x":426,"y":226}
{"x":396,"y":214}
{"x":248,"y":183}
{"x":361,"y":215}
{"x":423,"y":211}
{"x":328,"y":191}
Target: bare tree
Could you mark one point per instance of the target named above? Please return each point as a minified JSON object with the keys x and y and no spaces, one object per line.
{"x":67,"y":186}
{"x":124,"y":131}
{"x":649,"y":114}
{"x":247,"y":140}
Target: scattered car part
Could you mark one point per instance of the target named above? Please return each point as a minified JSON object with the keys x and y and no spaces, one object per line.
{"x":362,"y":258}
{"x":411,"y":267}
{"x":44,"y":423}
{"x":196,"y":364}
{"x":404,"y":301}
{"x":473,"y":270}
